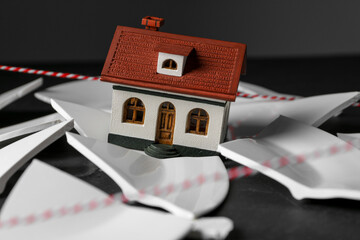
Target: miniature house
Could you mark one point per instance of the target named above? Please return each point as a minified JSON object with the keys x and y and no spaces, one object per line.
{"x":171,"y":89}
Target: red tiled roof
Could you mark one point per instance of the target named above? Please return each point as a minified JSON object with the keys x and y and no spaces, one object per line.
{"x":212,"y":69}
{"x":174,"y":49}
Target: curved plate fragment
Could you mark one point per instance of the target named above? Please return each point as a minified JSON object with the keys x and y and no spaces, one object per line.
{"x":248,"y":119}
{"x":94,"y":94}
{"x":253,"y":89}
{"x":16,"y":93}
{"x":327,"y":176}
{"x":43,"y":187}
{"x":89,"y":122}
{"x":353,"y":138}
{"x":211,"y":228}
{"x":14,"y":132}
{"x":135,"y":172}
{"x":15,"y":155}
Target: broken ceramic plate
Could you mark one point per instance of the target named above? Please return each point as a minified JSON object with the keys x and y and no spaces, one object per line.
{"x":353,"y":138}
{"x":247,"y":119}
{"x":94,"y":94}
{"x":16,"y":93}
{"x":15,"y":155}
{"x":326,"y":176}
{"x":89,"y":122}
{"x":135,"y":172}
{"x":253,"y":89}
{"x":211,"y":228}
{"x":17,"y":131}
{"x":42,"y":188}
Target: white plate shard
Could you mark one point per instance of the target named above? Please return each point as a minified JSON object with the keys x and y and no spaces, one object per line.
{"x":94,"y":94}
{"x":329,"y":176}
{"x":134,"y":172}
{"x":15,"y":155}
{"x":43,"y":187}
{"x":248,"y":119}
{"x":31,"y":126}
{"x":253,"y":89}
{"x":16,"y":93}
{"x":89,"y":122}
{"x":211,"y":228}
{"x":353,"y":138}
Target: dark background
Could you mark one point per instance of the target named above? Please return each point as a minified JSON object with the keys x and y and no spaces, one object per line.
{"x":297,"y":47}
{"x":61,"y":31}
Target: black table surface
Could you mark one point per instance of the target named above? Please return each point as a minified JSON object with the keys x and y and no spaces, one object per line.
{"x":260,"y":207}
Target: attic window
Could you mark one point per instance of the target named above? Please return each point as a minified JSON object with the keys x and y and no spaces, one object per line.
{"x":169,"y":64}
{"x":172,"y":59}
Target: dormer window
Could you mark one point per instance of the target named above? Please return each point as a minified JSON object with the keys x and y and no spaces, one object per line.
{"x":172,"y":59}
{"x":169,"y":64}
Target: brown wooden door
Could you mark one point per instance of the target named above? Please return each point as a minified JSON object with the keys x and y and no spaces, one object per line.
{"x":165,"y":124}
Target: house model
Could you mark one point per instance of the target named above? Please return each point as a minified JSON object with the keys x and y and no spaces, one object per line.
{"x":171,"y":93}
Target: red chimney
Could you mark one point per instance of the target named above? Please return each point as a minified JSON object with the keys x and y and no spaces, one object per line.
{"x":152,"y":23}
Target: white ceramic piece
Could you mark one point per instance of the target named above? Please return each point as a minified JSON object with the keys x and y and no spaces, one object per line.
{"x":256,"y":89}
{"x":253,"y":89}
{"x":134,"y":172}
{"x":15,"y":155}
{"x":94,"y":94}
{"x":16,"y":93}
{"x":211,"y":228}
{"x":89,"y":122}
{"x":28,"y":127}
{"x":43,"y":187}
{"x":329,"y":176}
{"x":353,"y":138}
{"x":250,"y":118}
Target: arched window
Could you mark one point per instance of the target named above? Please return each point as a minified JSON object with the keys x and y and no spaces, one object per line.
{"x":134,"y":111}
{"x":197,"y":122}
{"x":169,"y":64}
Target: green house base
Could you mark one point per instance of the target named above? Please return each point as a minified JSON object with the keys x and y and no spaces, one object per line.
{"x":143,"y":144}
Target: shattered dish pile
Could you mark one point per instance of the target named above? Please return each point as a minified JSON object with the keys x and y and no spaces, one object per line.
{"x":278,"y":138}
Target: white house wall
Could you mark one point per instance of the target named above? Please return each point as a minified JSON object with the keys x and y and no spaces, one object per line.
{"x":225,"y":120}
{"x":182,"y":108}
